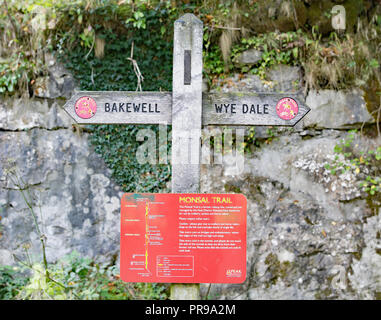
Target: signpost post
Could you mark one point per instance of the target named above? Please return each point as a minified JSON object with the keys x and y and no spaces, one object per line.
{"x":188,"y":109}
{"x":186,"y":119}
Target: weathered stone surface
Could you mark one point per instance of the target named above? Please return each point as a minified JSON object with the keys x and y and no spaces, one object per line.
{"x":185,"y":291}
{"x":59,"y":82}
{"x":249,"y":83}
{"x":251,"y":56}
{"x":311,"y":235}
{"x":305,"y":227}
{"x":22,"y":114}
{"x":76,"y":203}
{"x":285,"y":78}
{"x":336,"y":109}
{"x":281,"y":78}
{"x":366,"y":276}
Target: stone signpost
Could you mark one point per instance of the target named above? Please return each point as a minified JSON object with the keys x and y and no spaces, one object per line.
{"x":187,"y":109}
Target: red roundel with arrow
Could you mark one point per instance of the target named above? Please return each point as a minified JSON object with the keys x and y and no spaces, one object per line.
{"x":287,"y":108}
{"x":85,"y":107}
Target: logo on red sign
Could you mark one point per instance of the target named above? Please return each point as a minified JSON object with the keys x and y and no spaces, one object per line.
{"x":287,"y":108}
{"x":85,"y":107}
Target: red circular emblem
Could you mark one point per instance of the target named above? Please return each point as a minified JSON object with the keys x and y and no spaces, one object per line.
{"x":287,"y":108}
{"x":85,"y":107}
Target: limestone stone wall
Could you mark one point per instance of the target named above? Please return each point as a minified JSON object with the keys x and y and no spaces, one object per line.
{"x":310,"y":234}
{"x":73,"y":195}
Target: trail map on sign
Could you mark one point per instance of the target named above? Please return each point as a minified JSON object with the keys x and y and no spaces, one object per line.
{"x":183,"y":238}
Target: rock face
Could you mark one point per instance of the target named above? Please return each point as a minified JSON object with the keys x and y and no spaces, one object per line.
{"x":306,"y":237}
{"x":59,"y":83}
{"x":337,"y":109}
{"x":22,"y":114}
{"x":311,"y":234}
{"x":251,"y":56}
{"x":281,"y":78}
{"x":285,"y":78}
{"x":76,"y":202}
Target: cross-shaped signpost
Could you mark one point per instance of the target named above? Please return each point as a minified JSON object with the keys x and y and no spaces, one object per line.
{"x":187,"y":109}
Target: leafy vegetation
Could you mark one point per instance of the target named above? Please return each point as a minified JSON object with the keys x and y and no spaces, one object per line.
{"x":11,"y":282}
{"x":334,"y":62}
{"x":153,"y":52}
{"x":117,"y":144}
{"x":277,"y":48}
{"x":74,"y":277}
{"x":297,"y":32}
{"x":365,"y":164}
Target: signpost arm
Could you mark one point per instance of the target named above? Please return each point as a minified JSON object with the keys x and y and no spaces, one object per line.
{"x":186,"y":120}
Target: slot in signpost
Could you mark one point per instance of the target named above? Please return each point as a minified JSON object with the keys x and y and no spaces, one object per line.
{"x":187,"y":109}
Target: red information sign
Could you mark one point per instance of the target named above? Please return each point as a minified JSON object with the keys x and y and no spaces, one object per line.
{"x":183,"y":238}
